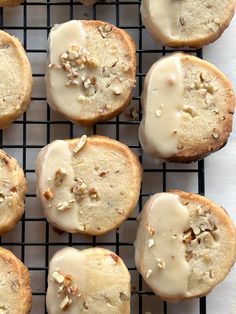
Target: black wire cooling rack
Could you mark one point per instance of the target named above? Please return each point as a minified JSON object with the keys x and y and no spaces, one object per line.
{"x":33,"y":240}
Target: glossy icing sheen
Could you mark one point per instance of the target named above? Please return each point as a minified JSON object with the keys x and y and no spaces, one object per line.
{"x":159,"y":11}
{"x":162,"y":99}
{"x":67,"y":261}
{"x":51,"y":158}
{"x":97,"y":281}
{"x":61,"y":38}
{"x":158,"y":15}
{"x":159,"y":247}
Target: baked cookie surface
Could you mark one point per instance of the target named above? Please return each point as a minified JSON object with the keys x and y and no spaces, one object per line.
{"x":9,"y":3}
{"x":13,"y":187}
{"x":188,"y":107}
{"x":187,"y":23}
{"x":16,"y":88}
{"x":185,"y":245}
{"x":88,"y":185}
{"x":15,"y":291}
{"x":91,"y":70}
{"x":93,"y":280}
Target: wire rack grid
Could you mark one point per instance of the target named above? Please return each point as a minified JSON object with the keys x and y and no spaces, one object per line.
{"x":34,"y":240}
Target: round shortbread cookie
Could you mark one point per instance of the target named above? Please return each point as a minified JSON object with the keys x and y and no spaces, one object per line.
{"x":15,"y":291}
{"x":13,"y":187}
{"x":91,"y":70}
{"x":185,"y":245}
{"x":187,"y":23}
{"x":88,"y":185}
{"x":16,"y":88}
{"x":94,"y":280}
{"x":188,"y":107}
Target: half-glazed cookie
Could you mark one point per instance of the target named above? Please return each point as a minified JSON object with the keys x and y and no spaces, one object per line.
{"x":13,"y":187}
{"x":15,"y":291}
{"x":188,"y":107}
{"x":187,"y":23}
{"x":91,"y":70}
{"x":88,"y":185}
{"x":94,"y":280}
{"x":185,"y":245}
{"x":16,"y":88}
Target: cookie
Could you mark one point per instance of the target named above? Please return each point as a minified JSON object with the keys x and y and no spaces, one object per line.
{"x":88,"y":185}
{"x":15,"y":291}
{"x":94,"y":280}
{"x":188,"y":107}
{"x":186,"y":23}
{"x":10,"y":3}
{"x":15,"y":90}
{"x":91,"y":70}
{"x":185,"y":245}
{"x":13,"y":187}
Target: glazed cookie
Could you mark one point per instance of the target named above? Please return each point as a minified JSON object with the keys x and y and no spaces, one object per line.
{"x":15,"y":90}
{"x":88,"y":185}
{"x":15,"y":291}
{"x":185,"y":245}
{"x":9,"y":3}
{"x":188,"y":107}
{"x":91,"y":70}
{"x":13,"y":188}
{"x":94,"y":280}
{"x":187,"y":23}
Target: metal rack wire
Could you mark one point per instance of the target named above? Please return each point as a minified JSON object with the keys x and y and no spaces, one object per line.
{"x":20,"y":241}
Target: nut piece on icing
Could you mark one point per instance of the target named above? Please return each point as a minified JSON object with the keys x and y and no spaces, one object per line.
{"x":59,"y":176}
{"x":151,"y":231}
{"x":48,"y":194}
{"x":59,"y":278}
{"x":150,"y":243}
{"x":148,"y":274}
{"x":63,"y":206}
{"x":65,"y":304}
{"x":161,"y":263}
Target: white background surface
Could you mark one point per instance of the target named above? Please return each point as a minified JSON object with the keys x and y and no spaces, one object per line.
{"x":221,"y":167}
{"x":220,"y":174}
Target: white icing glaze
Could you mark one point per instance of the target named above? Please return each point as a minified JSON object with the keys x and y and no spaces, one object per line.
{"x":163,"y":98}
{"x":51,"y":158}
{"x":158,"y":13}
{"x":67,"y":261}
{"x":62,"y":37}
{"x":159,"y":247}
{"x":158,"y":16}
{"x":98,"y":277}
